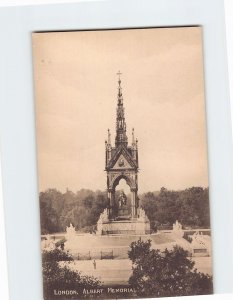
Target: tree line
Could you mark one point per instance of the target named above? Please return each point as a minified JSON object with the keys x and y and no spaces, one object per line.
{"x":83,"y":208}
{"x":189,"y":206}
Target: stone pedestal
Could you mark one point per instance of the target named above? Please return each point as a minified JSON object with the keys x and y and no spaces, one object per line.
{"x":125,"y":227}
{"x":138,"y":225}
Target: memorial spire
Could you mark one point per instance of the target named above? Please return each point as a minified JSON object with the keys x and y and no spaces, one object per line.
{"x":121,"y":137}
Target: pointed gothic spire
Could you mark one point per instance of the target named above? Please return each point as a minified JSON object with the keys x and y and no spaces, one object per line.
{"x":109,"y":137}
{"x":133,"y":138}
{"x":120,"y":98}
{"x":121,"y":137}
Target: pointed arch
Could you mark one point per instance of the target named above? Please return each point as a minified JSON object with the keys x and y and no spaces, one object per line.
{"x":128,"y":180}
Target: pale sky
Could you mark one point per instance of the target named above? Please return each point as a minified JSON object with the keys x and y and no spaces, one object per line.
{"x":76,"y":98}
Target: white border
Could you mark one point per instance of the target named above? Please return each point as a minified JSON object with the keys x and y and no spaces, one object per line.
{"x":229,"y":33}
{"x":36,"y":2}
{"x":18,"y":132}
{"x":4,"y":292}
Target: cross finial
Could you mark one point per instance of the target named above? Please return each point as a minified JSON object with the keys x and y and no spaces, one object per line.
{"x":119,"y":74}
{"x":119,"y":79}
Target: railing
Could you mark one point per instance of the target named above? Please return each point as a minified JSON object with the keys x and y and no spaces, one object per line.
{"x":82,"y":256}
{"x":93,"y":255}
{"x":106,"y":255}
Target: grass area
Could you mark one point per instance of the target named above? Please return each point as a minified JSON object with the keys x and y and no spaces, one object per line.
{"x":120,"y":240}
{"x":161,"y":239}
{"x":93,"y":246}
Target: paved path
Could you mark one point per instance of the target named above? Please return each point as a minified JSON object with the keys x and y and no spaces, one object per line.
{"x":118,"y":271}
{"x":203,"y":264}
{"x":108,"y":271}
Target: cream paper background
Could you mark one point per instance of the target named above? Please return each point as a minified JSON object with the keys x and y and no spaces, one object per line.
{"x":76,"y":99}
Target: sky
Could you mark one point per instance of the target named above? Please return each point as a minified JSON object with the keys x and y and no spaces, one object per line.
{"x":76,"y":98}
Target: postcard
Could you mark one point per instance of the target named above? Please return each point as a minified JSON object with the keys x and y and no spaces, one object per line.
{"x":122,"y":163}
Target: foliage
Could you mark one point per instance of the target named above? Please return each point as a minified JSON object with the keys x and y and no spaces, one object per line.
{"x":189,"y":206}
{"x":56,"y":277}
{"x":49,"y":217}
{"x":167,"y":273}
{"x":83,"y":208}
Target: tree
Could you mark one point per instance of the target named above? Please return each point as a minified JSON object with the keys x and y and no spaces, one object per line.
{"x":149,"y":204}
{"x":167,"y":273}
{"x":49,"y":218}
{"x":189,"y":206}
{"x":195,"y":207}
{"x":57,"y":277}
{"x":82,"y":209}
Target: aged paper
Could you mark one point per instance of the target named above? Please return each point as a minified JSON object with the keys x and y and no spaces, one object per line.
{"x":122,"y":163}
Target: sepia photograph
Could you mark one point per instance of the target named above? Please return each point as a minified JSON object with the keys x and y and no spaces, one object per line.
{"x":122,"y":163}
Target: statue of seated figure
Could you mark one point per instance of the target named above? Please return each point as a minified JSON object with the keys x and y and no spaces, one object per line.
{"x":122,"y":200}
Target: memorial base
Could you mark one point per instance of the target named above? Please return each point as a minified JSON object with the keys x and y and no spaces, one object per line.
{"x":124,"y":227}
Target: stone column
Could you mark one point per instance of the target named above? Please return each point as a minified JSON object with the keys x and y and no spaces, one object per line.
{"x":133,"y":204}
{"x":111,"y":195}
